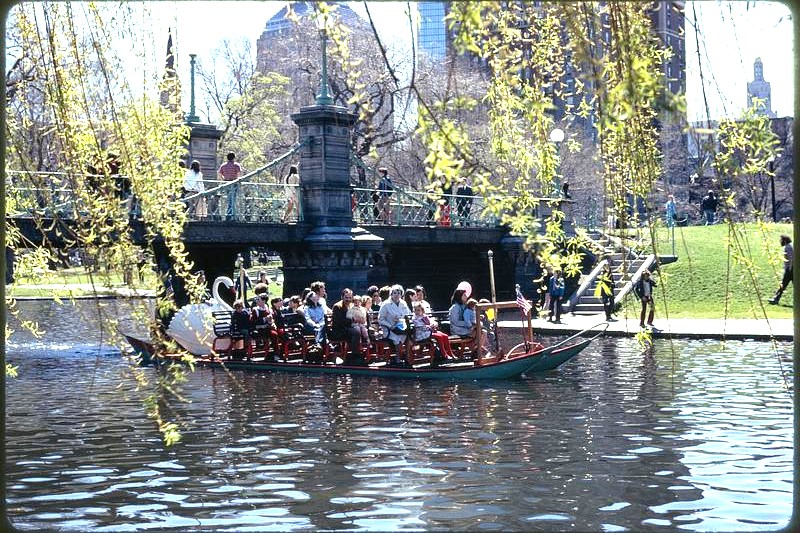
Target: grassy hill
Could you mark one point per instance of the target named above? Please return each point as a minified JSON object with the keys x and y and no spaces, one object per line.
{"x":707,"y":275}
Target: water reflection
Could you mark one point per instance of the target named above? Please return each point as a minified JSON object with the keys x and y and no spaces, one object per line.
{"x":698,"y":438}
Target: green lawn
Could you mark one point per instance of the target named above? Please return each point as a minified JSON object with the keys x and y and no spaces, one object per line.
{"x":707,"y":276}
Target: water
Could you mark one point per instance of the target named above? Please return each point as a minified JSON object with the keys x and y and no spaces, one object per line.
{"x":698,"y":439}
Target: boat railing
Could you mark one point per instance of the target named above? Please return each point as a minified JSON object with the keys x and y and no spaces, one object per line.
{"x":482,"y":310}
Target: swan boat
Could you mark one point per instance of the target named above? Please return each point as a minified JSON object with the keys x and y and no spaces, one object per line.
{"x":192,"y":326}
{"x":480,"y":358}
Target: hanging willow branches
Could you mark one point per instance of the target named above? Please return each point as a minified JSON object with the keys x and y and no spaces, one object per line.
{"x":104,"y":142}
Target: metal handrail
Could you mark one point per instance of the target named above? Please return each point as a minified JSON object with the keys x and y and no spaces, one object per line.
{"x":248,"y":200}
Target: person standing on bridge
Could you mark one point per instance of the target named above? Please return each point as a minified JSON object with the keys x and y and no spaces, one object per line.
{"x":385,"y":189}
{"x":290,"y":192}
{"x":231,"y":171}
{"x":464,"y":194}
{"x":193,"y":185}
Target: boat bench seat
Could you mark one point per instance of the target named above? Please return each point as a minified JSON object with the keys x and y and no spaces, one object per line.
{"x":226,"y":337}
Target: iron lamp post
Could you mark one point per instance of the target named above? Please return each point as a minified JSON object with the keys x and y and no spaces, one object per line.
{"x":557,"y":137}
{"x":324,"y":97}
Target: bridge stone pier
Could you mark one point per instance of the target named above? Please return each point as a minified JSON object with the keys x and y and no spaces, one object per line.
{"x":335,"y":249}
{"x":328,"y":245}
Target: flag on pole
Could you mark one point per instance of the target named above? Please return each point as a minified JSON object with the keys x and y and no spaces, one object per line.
{"x":522,"y":303}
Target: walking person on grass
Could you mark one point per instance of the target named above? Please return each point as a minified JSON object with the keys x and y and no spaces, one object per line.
{"x":788,"y":270}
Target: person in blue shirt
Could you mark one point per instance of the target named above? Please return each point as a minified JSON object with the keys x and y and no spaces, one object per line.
{"x":670,"y":213}
{"x":556,"y":295}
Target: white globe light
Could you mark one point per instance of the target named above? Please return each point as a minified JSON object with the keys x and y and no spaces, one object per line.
{"x":557,"y":135}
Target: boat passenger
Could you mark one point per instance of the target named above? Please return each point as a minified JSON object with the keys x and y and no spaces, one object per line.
{"x":470,"y":314}
{"x":358,"y":314}
{"x":426,"y":327}
{"x":459,"y":326}
{"x":410,"y":297}
{"x":319,"y":288}
{"x":421,"y":297}
{"x":241,"y":324}
{"x":314,"y":315}
{"x":259,"y":289}
{"x":384,"y":293}
{"x":343,"y":329}
{"x":374,"y":298}
{"x":391,"y":318}
{"x":264,"y":321}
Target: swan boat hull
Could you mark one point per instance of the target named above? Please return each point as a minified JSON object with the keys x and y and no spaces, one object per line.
{"x":540,"y":359}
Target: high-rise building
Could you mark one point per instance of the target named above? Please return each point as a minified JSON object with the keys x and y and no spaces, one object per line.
{"x":290,"y":45}
{"x":669,"y":24}
{"x":760,"y":88}
{"x":432,"y":38}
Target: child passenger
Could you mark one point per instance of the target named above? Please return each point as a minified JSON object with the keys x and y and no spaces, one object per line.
{"x":357,"y":314}
{"x":426,"y":327}
{"x":470,"y":316}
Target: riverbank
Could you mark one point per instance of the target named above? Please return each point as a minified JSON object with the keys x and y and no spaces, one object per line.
{"x":79,"y":291}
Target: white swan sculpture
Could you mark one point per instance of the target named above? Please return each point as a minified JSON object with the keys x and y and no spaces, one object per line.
{"x":193,"y":325}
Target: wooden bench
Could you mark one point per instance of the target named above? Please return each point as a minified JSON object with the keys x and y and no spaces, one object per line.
{"x":226,"y":337}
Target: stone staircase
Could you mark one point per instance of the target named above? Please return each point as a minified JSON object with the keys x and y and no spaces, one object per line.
{"x":626,"y":267}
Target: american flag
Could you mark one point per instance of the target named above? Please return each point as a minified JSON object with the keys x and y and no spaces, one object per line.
{"x":522,"y":303}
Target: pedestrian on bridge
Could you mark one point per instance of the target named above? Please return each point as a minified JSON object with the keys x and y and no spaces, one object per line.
{"x":464,"y":194}
{"x":290,"y":192}
{"x":231,"y":171}
{"x":385,"y":190}
{"x":193,"y":187}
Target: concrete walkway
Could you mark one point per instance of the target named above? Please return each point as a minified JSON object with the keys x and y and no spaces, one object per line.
{"x":677,"y":328}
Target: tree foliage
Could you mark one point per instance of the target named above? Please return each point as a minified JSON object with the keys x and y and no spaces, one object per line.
{"x":70,"y":111}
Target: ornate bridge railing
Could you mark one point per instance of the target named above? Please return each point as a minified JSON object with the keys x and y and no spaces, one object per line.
{"x":412,"y":208}
{"x":258,"y":196}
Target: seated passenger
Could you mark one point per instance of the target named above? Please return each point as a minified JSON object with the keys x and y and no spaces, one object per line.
{"x":426,"y":327}
{"x":342,"y":328}
{"x":240,"y":324}
{"x":315,"y":317}
{"x":391,"y":317}
{"x":357,"y":314}
{"x":264,"y":321}
{"x":458,"y":325}
{"x":470,"y":315}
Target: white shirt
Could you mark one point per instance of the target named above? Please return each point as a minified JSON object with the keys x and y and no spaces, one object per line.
{"x":193,"y":181}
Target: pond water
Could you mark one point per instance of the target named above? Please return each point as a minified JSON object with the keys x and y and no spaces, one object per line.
{"x":690,"y":435}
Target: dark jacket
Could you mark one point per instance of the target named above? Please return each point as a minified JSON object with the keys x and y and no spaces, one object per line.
{"x":709,"y":203}
{"x":340,"y":324}
{"x":639,"y":287}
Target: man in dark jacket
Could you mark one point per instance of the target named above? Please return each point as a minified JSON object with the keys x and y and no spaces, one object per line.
{"x":342,"y":328}
{"x":644,"y":290}
{"x":709,"y":207}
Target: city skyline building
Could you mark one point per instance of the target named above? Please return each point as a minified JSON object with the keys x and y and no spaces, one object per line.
{"x":432,"y":38}
{"x":760,"y":89}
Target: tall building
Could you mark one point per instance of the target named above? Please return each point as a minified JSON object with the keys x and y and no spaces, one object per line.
{"x":667,"y":19}
{"x":432,"y":39}
{"x":290,"y":45}
{"x":669,"y":23}
{"x":759,"y":88}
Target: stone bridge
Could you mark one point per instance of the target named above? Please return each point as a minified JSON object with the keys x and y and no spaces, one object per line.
{"x":338,"y":236}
